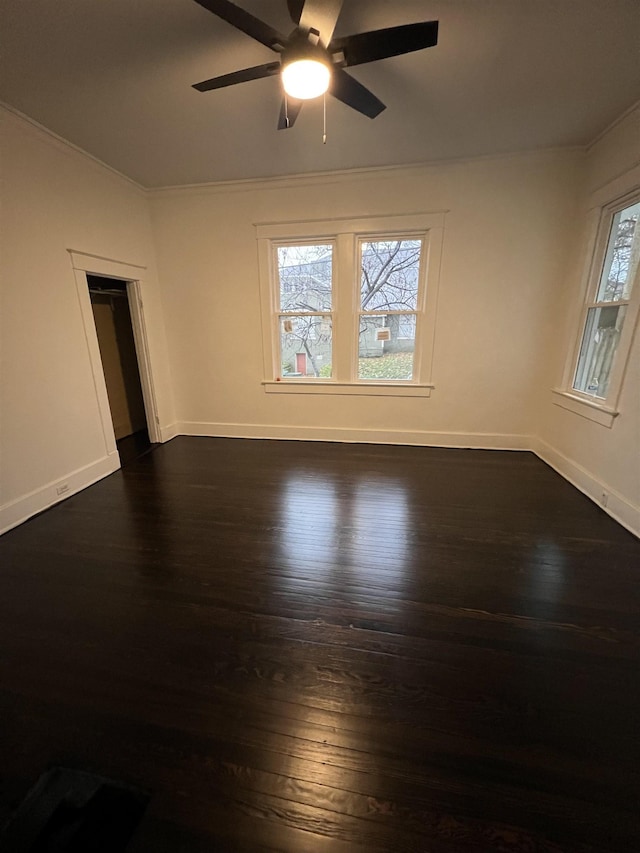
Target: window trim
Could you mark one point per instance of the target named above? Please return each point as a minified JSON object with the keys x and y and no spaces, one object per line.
{"x":603,"y":411}
{"x":278,"y":311}
{"x":420,"y":310}
{"x":346,"y":235}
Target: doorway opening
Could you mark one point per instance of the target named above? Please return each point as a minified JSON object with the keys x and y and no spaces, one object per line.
{"x":114,"y":328}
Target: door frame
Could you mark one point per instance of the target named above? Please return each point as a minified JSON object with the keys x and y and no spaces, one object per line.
{"x":134,"y":276}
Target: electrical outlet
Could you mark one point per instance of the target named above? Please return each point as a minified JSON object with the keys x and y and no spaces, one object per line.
{"x":61,"y":490}
{"x":604,"y":500}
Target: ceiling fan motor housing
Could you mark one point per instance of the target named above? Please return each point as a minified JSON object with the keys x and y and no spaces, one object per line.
{"x":300,"y":47}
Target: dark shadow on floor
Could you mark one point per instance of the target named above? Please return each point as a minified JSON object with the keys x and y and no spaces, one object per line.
{"x":133,"y":446}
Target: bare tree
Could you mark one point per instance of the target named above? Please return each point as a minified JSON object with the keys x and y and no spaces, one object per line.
{"x":309,"y":332}
{"x":390,"y":275}
{"x":388,"y":283}
{"x":305,"y":287}
{"x":621,"y":272}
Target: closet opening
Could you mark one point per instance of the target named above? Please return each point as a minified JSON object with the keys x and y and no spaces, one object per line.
{"x":114,"y":328}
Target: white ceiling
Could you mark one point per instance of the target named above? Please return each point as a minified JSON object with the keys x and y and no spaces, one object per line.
{"x":114,"y":77}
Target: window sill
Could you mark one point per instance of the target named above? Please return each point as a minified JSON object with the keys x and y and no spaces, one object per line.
{"x":373,"y":389}
{"x":585,"y":407}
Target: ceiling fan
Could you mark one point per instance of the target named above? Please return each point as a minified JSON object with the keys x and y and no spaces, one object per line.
{"x":312,"y":61}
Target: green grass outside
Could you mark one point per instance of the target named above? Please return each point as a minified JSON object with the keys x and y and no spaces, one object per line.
{"x":397,"y":365}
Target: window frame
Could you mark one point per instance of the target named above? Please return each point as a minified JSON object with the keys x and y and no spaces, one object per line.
{"x":419,"y":312}
{"x":605,"y":410}
{"x":282,"y":312}
{"x":346,"y":235}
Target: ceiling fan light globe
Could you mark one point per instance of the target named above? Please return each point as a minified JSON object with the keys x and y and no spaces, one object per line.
{"x":305,"y":78}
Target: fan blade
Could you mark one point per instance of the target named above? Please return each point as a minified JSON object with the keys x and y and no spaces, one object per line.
{"x":289,"y":114}
{"x":320,"y":15}
{"x":295,"y":10}
{"x":379,"y":44}
{"x":347,"y":89}
{"x":255,"y":73}
{"x":245,"y":22}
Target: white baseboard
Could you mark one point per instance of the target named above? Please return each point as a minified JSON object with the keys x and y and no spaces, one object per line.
{"x":617,"y":506}
{"x":14,"y":513}
{"x":168,"y":432}
{"x":479,"y":440}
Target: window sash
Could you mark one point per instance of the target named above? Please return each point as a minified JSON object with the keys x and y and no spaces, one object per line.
{"x":350,"y":370}
{"x":277,"y":278}
{"x":595,"y":372}
{"x":394,"y":350}
{"x":394,"y":238}
{"x":602,"y":410}
{"x":344,"y":235}
{"x":418,"y":312}
{"x":598,"y":349}
{"x":303,"y":353}
{"x":310,"y":343}
{"x":633,"y":256}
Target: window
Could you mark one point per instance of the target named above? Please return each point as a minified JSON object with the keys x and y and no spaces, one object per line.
{"x":305,"y":301}
{"x":348,"y":306}
{"x":389,"y":300}
{"x":609,"y":314}
{"x":605,"y":315}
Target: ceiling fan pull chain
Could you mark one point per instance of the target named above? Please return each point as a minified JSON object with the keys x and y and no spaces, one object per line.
{"x":324,"y":119}
{"x":286,"y":110}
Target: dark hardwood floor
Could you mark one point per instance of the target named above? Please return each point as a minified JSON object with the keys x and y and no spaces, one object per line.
{"x":321,"y":647}
{"x":132,"y":447}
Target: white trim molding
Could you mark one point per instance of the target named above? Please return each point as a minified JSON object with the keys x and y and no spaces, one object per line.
{"x":608,"y":499}
{"x":63,"y":144}
{"x":168,"y":432}
{"x":14,"y":513}
{"x":105,"y":266}
{"x":585,"y":407}
{"x":418,"y":438}
{"x":599,"y":223}
{"x":345,"y":313}
{"x":414,"y":170}
{"x":365,"y":225}
{"x":84,"y":264}
{"x":320,"y":386}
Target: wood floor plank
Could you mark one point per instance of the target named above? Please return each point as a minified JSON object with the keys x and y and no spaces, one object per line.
{"x":302,"y":646}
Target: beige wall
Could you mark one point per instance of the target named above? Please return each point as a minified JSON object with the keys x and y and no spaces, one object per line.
{"x":597,"y":458}
{"x":616,"y":152}
{"x":504,"y":249}
{"x":513,"y":253}
{"x":54,"y":198}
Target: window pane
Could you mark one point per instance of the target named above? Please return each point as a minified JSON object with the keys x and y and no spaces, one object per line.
{"x":389,"y":275}
{"x":305,"y":346}
{"x":305,"y":277}
{"x":621,"y":260}
{"x":601,"y":336}
{"x":386,"y":346}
